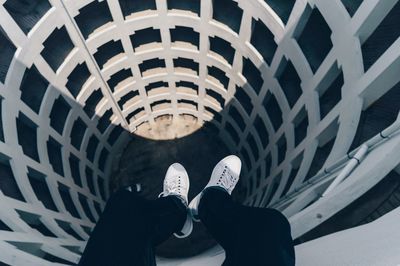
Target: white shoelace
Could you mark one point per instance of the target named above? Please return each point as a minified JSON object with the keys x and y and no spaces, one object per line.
{"x":173,"y":186}
{"x":226,"y":179}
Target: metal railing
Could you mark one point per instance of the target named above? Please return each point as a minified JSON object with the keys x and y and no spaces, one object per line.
{"x":320,"y":193}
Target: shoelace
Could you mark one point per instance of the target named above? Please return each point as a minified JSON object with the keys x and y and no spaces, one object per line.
{"x":173,"y":186}
{"x":226,"y":179}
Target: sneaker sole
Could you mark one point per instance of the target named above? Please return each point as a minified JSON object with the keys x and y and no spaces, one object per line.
{"x":194,"y":208}
{"x":186,"y":229}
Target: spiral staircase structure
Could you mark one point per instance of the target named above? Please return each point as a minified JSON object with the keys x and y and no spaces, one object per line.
{"x":306,"y":92}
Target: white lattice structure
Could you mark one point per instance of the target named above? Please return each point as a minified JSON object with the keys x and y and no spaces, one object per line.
{"x":291,"y":86}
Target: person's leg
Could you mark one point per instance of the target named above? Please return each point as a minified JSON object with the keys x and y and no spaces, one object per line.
{"x":218,"y":212}
{"x":249,"y":236}
{"x":130,"y":227}
{"x":263,"y":237}
{"x":121,"y":236}
{"x":168,"y":215}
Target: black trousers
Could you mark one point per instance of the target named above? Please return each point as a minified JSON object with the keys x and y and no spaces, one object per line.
{"x":249,"y":235}
{"x":130,"y":227}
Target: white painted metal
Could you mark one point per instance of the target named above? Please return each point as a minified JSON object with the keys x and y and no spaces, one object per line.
{"x":360,"y":90}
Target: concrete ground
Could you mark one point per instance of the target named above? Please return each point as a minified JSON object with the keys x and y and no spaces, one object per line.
{"x":153,"y":149}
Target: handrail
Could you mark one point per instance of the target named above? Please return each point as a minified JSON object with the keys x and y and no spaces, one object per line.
{"x":371,"y":144}
{"x":353,"y":162}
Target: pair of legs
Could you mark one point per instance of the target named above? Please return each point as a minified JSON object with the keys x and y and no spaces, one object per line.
{"x":131,"y":226}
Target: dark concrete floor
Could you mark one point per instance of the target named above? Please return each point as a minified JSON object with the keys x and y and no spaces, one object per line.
{"x":146,"y":161}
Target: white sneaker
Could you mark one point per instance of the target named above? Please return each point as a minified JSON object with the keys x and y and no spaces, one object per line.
{"x":225,"y":175}
{"x":176,"y":182}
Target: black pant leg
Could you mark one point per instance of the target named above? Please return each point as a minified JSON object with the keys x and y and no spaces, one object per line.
{"x":128,"y":228}
{"x":121,"y":236}
{"x":263,"y":238}
{"x":168,"y":215}
{"x":218,"y":213}
{"x":250,"y":236}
